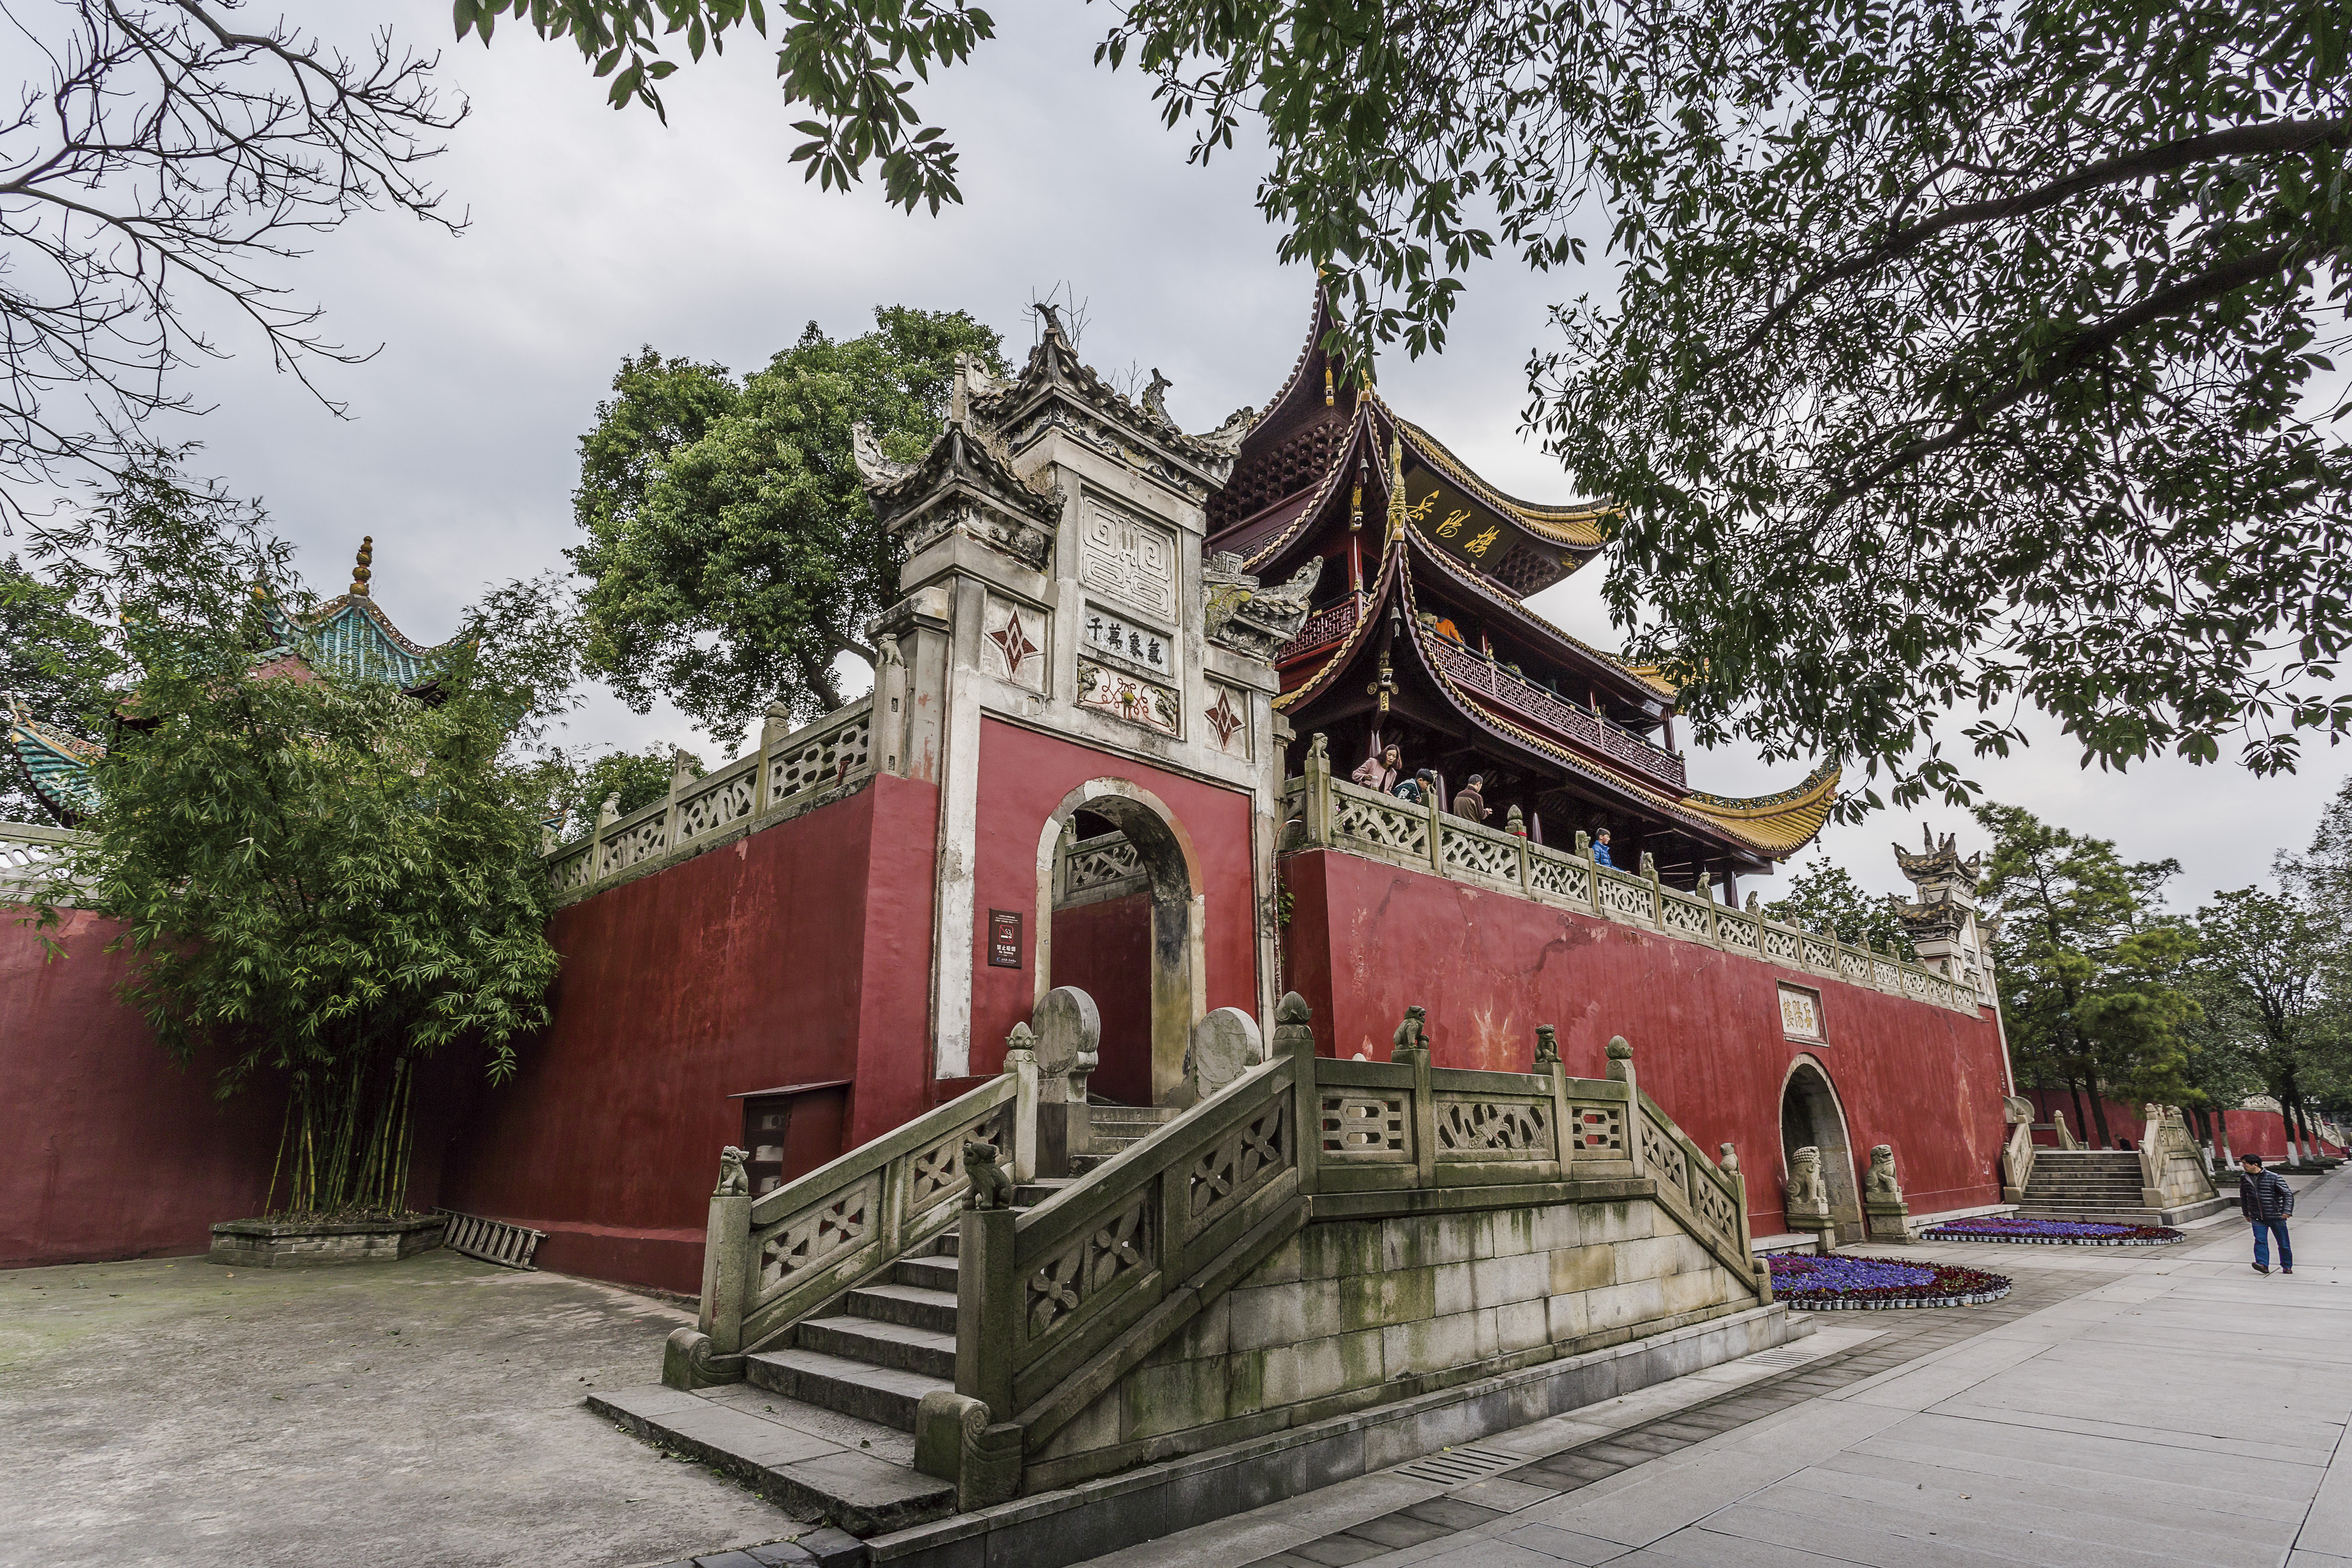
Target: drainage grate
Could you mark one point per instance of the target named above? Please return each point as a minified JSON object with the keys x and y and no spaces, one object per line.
{"x":1453,"y":1467}
{"x":491,"y":1240}
{"x":1787,"y":1355}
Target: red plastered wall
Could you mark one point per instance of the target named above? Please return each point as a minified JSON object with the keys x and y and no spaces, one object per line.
{"x":798,"y":954}
{"x":1023,"y":778}
{"x":1367,"y":939}
{"x":115,"y":1151}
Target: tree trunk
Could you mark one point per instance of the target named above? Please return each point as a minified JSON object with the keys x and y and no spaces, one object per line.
{"x":2099,"y":1112}
{"x":2081,"y":1118}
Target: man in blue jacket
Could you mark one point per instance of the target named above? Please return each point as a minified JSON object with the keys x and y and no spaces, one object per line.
{"x":1600,"y":849}
{"x":2264,"y":1198}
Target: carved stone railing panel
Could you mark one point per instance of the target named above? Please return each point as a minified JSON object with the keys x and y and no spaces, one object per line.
{"x":1854,"y":966}
{"x":717,"y":799}
{"x":1493,"y":856}
{"x":1915,"y":984}
{"x":1359,"y":1125}
{"x":1245,"y":1160}
{"x":1740,"y":932}
{"x":1379,"y":821}
{"x":823,"y":757}
{"x":1056,"y":1292}
{"x":1692,"y":916}
{"x":569,"y":868}
{"x":1780,"y":945}
{"x":1596,"y":1131}
{"x":1561,"y":876}
{"x":816,"y":1236}
{"x":1662,"y":1156}
{"x":1885,"y":975}
{"x":1713,"y":1206}
{"x":1817,"y":953}
{"x":1101,"y":862}
{"x":1627,"y":897}
{"x":1475,"y":1127}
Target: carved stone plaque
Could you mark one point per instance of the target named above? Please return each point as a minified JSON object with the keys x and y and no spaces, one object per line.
{"x":1128,"y":558}
{"x":1128,"y":697}
{"x":1801,"y":1014}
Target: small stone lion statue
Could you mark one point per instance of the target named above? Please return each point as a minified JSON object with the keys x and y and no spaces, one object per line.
{"x":1808,"y":1193}
{"x":733,"y":1183}
{"x":990,"y":1187}
{"x":1547,"y":1047}
{"x":1881,"y":1184}
{"x":1412,"y":1036}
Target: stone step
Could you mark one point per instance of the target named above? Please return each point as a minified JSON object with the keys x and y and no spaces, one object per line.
{"x":928,"y":1274}
{"x":1131,"y":1115}
{"x":884,"y":1396}
{"x":914,"y":1306}
{"x":899,"y":1346}
{"x":1029,"y":1195}
{"x":812,"y":1462}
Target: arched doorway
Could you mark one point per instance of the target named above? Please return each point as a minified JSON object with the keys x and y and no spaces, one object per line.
{"x":1811,"y":1117}
{"x":1119,"y":916}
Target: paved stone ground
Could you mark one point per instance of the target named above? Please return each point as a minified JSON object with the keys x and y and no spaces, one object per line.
{"x":420,"y":1413}
{"x":2124,"y":1406}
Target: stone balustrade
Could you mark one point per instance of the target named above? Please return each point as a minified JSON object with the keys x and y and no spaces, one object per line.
{"x":792,"y":773}
{"x":29,"y":853}
{"x":1331,"y":813}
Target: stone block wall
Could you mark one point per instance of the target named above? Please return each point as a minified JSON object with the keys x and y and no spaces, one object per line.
{"x":1353,"y":1312}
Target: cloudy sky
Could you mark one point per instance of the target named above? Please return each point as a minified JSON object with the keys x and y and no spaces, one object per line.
{"x":594,"y":233}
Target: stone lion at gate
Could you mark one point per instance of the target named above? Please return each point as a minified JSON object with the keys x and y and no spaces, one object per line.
{"x":1808,"y":1193}
{"x":1881,"y":1184}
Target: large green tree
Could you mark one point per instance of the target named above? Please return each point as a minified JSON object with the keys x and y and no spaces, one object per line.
{"x":323,"y":881}
{"x":731,"y":554}
{"x":2090,"y":972}
{"x":1825,"y":897}
{"x":2262,"y":960}
{"x":1956,"y":352}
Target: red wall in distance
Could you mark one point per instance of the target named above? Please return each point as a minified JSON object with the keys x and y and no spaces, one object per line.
{"x":1367,"y":939}
{"x":1023,"y":778}
{"x":798,"y":954}
{"x":1104,"y":950}
{"x":116,"y":1151}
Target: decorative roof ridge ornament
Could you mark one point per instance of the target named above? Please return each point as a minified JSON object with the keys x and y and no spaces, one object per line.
{"x":361,"y":571}
{"x":1397,"y":513}
{"x":876,"y":467}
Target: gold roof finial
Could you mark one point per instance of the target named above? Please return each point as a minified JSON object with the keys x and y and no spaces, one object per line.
{"x":1396,"y":488}
{"x":360,"y":572}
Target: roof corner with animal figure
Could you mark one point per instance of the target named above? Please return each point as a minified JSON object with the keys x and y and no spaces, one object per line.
{"x":1418,"y":634}
{"x":349,"y":635}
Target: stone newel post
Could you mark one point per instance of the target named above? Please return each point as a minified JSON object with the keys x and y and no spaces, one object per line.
{"x":1621,"y":1070}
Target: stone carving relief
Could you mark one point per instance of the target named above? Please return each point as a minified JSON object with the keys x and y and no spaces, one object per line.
{"x":1881,"y":1185}
{"x":1247,"y":619}
{"x":1128,"y":559}
{"x":1809,"y":1194}
{"x":1225,"y":1046}
{"x":1800,"y":1012}
{"x":1129,"y":696}
{"x":1012,"y":642}
{"x":1227,"y":718}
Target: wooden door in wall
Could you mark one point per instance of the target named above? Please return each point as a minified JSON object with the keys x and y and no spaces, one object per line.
{"x":789,"y":1132}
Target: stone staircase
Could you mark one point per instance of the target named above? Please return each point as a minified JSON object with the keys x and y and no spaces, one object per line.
{"x":1114,"y":1129}
{"x":2087,"y":1185}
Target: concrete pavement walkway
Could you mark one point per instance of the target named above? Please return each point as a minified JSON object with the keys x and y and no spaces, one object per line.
{"x":2127,"y":1406}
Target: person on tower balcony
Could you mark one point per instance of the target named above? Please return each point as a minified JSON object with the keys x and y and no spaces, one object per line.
{"x":1380,"y":773}
{"x":1420,"y":789}
{"x":1470,"y":800}
{"x":1600,"y":849}
{"x":2264,"y":1198}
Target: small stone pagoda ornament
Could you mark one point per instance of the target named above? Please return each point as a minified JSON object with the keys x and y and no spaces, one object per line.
{"x":1882,"y":1198}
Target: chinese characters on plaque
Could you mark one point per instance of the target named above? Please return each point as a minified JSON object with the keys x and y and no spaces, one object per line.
{"x":1106,"y":631}
{"x":1801,"y":1014}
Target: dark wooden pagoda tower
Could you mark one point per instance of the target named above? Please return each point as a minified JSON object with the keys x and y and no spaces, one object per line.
{"x":1419,"y":636}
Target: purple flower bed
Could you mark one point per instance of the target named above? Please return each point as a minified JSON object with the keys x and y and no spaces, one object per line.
{"x":1842,"y":1284}
{"x":2051,"y":1232}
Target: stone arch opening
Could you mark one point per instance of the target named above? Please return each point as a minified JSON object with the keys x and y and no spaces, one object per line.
{"x":1119,"y":916}
{"x":1812,"y":1117}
